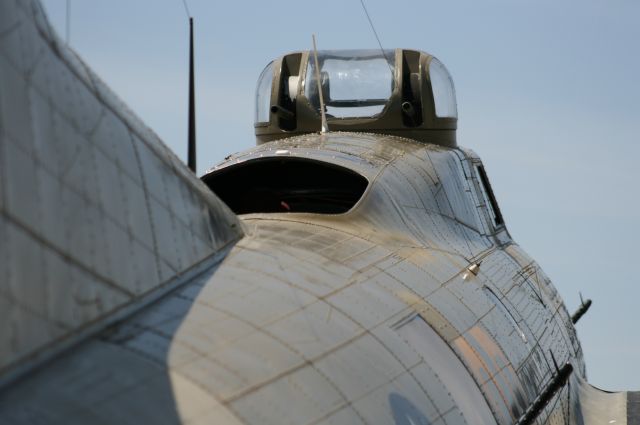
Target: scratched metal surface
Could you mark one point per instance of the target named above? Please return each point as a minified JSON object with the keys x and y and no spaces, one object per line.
{"x":360,"y":317}
{"x":365,"y":317}
{"x":95,"y":212}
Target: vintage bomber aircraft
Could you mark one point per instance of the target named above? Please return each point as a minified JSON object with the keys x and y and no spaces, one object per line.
{"x":359,"y":275}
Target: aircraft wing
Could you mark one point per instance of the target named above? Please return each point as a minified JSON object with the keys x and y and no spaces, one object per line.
{"x":97,"y":217}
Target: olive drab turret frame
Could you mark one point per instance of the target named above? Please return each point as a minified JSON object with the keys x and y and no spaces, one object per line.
{"x":410,"y":111}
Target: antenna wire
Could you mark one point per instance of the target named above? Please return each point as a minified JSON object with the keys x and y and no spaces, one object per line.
{"x":373,"y":28}
{"x":186,"y":8}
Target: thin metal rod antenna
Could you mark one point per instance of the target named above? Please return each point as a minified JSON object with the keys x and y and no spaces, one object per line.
{"x":191,"y":138}
{"x":373,"y":28}
{"x":191,"y":161}
{"x":324,"y":127}
{"x":68,"y":23}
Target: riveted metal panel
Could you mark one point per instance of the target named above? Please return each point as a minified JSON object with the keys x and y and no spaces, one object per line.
{"x":301,"y":397}
{"x":75,"y":203}
{"x":302,"y":322}
{"x":371,"y":300}
{"x":400,"y":400}
{"x":318,"y":328}
{"x":360,"y":367}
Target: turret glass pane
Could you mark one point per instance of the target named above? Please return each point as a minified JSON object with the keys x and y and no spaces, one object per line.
{"x":355,"y":83}
{"x":444,"y":94}
{"x":263,"y":94}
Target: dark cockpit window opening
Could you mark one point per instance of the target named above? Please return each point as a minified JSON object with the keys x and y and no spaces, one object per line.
{"x":287,"y":184}
{"x":489,"y":197}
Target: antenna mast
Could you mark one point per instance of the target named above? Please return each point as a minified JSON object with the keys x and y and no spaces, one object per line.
{"x":192,"y":104}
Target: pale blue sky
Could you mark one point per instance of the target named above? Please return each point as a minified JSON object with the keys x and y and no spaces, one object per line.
{"x":547,"y":95}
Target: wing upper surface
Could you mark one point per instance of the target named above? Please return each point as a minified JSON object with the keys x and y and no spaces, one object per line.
{"x":96,"y":213}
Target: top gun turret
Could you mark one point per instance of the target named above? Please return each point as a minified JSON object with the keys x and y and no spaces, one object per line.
{"x":399,"y":92}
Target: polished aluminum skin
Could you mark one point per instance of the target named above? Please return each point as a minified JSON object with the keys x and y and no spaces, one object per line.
{"x":131,"y":294}
{"x":96,"y":214}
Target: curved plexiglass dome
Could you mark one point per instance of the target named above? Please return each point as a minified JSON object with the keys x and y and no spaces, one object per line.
{"x":355,"y":83}
{"x":444,"y":93}
{"x":263,"y":94}
{"x":400,"y":92}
